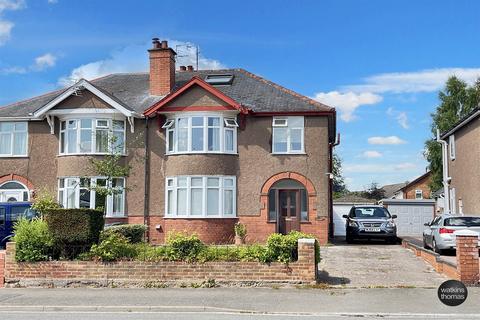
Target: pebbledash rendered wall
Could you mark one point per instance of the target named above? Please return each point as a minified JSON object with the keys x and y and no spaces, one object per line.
{"x":140,"y":273}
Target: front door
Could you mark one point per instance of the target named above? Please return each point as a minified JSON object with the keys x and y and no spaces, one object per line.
{"x":289,"y":211}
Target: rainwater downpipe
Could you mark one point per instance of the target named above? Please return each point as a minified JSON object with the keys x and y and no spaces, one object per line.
{"x":445,"y":178}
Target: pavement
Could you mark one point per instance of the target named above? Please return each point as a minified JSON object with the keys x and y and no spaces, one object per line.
{"x":232,"y":303}
{"x":375,"y":265}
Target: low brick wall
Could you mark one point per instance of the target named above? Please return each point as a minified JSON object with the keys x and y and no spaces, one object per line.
{"x":434,"y":259}
{"x":68,"y":273}
{"x":468,"y":265}
{"x":2,"y":268}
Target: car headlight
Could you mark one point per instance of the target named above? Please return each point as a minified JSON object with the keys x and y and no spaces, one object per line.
{"x":390,"y":224}
{"x":352,"y":224}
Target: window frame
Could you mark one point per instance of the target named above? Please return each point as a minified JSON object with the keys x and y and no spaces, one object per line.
{"x":451,"y":145}
{"x":417,"y":192}
{"x":62,"y":194}
{"x":221,"y":187}
{"x":174,"y":128}
{"x":12,"y":133}
{"x":64,"y":135}
{"x":289,"y":127}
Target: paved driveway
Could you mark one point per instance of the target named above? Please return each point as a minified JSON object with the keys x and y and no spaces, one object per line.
{"x":375,"y":264}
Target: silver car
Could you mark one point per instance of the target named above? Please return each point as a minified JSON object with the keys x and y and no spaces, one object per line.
{"x":438,"y":234}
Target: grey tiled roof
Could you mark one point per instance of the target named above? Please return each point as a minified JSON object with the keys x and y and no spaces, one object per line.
{"x":391,"y":189}
{"x":132,"y":90}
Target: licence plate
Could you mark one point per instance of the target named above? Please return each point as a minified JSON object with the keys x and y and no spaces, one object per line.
{"x":372,"y":229}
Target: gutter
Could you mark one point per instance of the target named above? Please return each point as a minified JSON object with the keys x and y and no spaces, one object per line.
{"x":446,"y":179}
{"x":330,"y":187}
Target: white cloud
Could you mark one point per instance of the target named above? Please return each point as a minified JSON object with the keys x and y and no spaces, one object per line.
{"x":44,"y":61}
{"x":372,"y":154}
{"x":386,"y":140}
{"x":402,"y":120}
{"x":405,"y":166}
{"x":347,"y":102}
{"x":52,"y":1}
{"x":5,"y":25}
{"x":13,"y":70}
{"x":428,"y":80}
{"x":135,"y":59}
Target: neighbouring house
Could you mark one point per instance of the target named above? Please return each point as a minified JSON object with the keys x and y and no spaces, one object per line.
{"x":463,"y":158}
{"x":417,"y":189}
{"x":207,"y":149}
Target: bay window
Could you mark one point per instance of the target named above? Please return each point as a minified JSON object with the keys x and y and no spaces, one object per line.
{"x":288,"y":135}
{"x":201,"y":134}
{"x":85,"y":192}
{"x":201,"y":197}
{"x":13,"y":139}
{"x":92,"y":136}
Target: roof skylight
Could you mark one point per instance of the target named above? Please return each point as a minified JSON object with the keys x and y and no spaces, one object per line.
{"x":219,"y":79}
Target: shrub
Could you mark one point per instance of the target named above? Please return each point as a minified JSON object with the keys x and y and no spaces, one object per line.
{"x":183,"y":247}
{"x":33,"y":240}
{"x":114,"y":247}
{"x":44,"y":201}
{"x":284,"y":248}
{"x":240,"y":230}
{"x":133,"y":232}
{"x":74,"y":228}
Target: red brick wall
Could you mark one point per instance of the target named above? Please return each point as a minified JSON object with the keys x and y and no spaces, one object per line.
{"x":467,"y":259}
{"x":2,"y":268}
{"x":51,"y":272}
{"x":423,"y":184}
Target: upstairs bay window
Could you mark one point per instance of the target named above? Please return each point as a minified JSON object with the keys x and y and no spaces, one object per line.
{"x":13,"y":139}
{"x":288,"y":135}
{"x":201,"y":134}
{"x":201,"y":197}
{"x":75,"y":192}
{"x":92,"y":136}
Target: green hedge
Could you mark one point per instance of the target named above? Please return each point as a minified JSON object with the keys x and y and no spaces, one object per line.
{"x":33,"y":240}
{"x":133,"y":232}
{"x":73,"y":229}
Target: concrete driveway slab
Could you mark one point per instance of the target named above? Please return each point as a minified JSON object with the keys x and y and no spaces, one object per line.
{"x":375,"y":264}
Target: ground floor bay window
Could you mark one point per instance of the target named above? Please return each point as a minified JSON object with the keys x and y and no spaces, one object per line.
{"x":86,"y":192}
{"x":200,"y":197}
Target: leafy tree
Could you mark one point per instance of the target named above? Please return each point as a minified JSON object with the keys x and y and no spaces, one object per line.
{"x":339,"y":187}
{"x":43,"y":201}
{"x":374,"y":192}
{"x":456,"y":101}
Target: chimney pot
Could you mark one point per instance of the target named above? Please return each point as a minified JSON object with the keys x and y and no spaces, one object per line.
{"x":156,"y":43}
{"x":190,"y":68}
{"x":183,"y":68}
{"x":164,"y":44}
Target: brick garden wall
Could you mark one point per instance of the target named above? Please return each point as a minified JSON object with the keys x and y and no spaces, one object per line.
{"x":2,"y":268}
{"x":65,"y":273}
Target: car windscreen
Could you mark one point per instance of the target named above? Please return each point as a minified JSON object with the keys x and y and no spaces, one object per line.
{"x":369,"y":212}
{"x":463,"y":222}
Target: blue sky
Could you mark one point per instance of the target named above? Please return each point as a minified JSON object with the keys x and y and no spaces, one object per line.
{"x":381,"y":63}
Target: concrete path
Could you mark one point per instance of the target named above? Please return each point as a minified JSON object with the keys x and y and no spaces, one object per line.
{"x":232,"y":303}
{"x":375,"y":264}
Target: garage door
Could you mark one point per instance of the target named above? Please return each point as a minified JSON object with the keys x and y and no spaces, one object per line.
{"x":411,"y":218}
{"x":338,"y":222}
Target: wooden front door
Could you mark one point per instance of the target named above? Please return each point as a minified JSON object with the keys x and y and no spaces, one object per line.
{"x":289,"y":211}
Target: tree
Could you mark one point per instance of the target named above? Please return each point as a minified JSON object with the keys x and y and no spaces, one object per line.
{"x":339,"y":187}
{"x":456,"y":101}
{"x":374,"y":192}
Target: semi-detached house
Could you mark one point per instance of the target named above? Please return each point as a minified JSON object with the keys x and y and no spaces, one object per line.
{"x":207,"y":149}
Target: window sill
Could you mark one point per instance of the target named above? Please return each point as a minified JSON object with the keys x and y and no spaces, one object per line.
{"x":199,"y":217}
{"x":88,"y":154}
{"x":116,"y":216}
{"x":288,"y":153}
{"x":201,"y":152}
{"x":13,"y":157}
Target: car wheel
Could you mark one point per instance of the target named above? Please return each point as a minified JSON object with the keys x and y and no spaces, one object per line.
{"x":425,"y":245}
{"x":435,"y":248}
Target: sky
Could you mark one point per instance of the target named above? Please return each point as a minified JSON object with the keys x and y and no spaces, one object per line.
{"x":380,"y":63}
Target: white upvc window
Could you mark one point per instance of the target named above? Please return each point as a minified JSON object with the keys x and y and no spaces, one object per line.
{"x":418,"y":194}
{"x":80,"y":192}
{"x":451,"y":144}
{"x":13,"y":139}
{"x":200,"y":197}
{"x":92,"y":136}
{"x":288,"y":135}
{"x":201,"y":133}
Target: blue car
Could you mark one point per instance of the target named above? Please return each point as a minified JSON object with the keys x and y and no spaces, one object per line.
{"x":10,"y":212}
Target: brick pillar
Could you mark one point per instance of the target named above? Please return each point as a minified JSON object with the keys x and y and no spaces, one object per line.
{"x":467,"y":256}
{"x":306,"y":256}
{"x":2,"y":268}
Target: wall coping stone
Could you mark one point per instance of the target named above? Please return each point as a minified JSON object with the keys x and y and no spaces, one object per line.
{"x":307,"y":241}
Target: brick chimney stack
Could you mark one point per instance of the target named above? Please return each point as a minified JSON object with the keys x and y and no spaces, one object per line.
{"x":162,"y":68}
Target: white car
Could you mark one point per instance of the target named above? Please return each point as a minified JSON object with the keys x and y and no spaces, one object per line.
{"x":438,"y":234}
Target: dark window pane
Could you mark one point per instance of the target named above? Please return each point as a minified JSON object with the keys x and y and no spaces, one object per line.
{"x":304,"y":205}
{"x":272,"y":205}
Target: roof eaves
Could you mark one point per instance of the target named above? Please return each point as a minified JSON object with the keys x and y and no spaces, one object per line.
{"x":463,"y":122}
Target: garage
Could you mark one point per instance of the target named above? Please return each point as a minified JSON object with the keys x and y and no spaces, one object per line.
{"x":342,"y":206}
{"x":411,"y":215}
